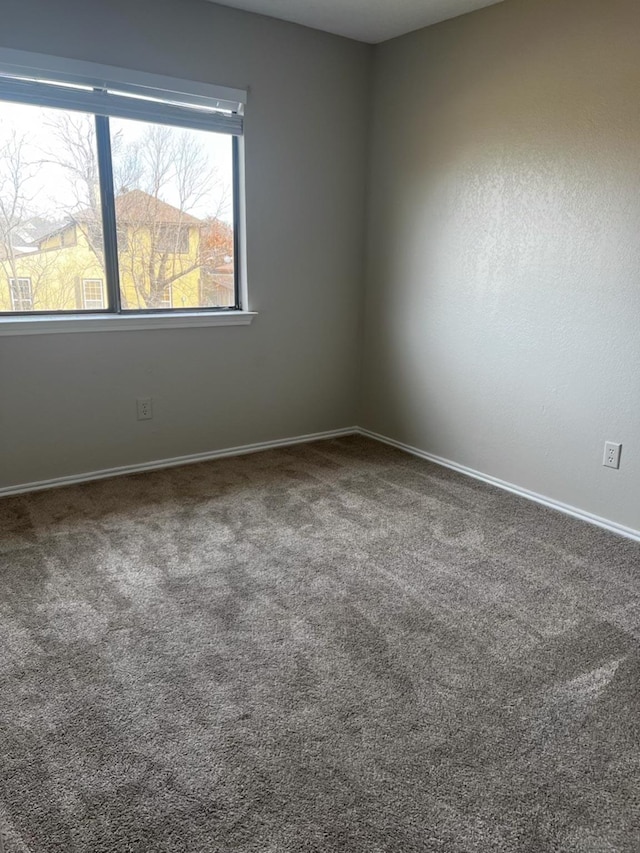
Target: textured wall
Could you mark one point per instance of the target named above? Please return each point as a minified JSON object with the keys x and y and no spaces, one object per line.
{"x":503,"y":308}
{"x":67,"y":402}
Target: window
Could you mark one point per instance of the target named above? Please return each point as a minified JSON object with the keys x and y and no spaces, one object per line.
{"x":127,"y":187}
{"x":21,"y":294}
{"x":167,"y":297}
{"x":92,"y":294}
{"x":172,"y":239}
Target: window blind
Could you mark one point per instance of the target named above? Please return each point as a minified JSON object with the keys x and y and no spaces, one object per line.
{"x":88,"y":88}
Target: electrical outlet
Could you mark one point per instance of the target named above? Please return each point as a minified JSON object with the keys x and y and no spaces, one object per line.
{"x":145,"y":408}
{"x":612,"y":454}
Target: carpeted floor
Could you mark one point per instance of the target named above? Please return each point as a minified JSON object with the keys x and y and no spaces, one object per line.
{"x":331,"y":647}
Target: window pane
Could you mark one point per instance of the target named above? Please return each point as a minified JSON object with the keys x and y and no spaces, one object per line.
{"x":93,"y":294}
{"x":50,"y":216}
{"x":174,"y":214}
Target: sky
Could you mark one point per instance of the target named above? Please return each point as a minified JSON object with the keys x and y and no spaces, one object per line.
{"x":46,"y":188}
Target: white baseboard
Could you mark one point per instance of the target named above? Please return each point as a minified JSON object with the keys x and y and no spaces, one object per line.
{"x":573,"y":511}
{"x":156,"y":465}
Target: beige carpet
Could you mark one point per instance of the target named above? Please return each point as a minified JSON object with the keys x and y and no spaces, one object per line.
{"x":332,"y":647}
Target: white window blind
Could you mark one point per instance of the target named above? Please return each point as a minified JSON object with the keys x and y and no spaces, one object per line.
{"x":102,"y":90}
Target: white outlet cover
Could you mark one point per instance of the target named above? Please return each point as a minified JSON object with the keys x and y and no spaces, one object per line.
{"x":612,"y":452}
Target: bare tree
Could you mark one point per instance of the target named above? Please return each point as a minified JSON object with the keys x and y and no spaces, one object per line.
{"x":127,"y":163}
{"x":74,"y":149}
{"x":15,"y":175}
{"x":16,"y":198}
{"x":73,"y":137}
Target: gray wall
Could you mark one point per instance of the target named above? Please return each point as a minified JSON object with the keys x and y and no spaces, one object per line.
{"x":503,"y":306}
{"x":501,"y":323}
{"x":67,"y":402}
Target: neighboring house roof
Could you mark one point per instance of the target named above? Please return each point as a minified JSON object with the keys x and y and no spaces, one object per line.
{"x":26,"y":236}
{"x":134,"y":207}
{"x":36,"y":229}
{"x":137,"y":206}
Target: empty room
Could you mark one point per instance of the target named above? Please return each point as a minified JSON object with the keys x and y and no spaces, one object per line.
{"x":320,"y":426}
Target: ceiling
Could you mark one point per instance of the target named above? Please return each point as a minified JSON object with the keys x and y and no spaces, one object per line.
{"x":365,"y":20}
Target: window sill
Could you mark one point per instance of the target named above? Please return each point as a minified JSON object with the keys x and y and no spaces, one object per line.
{"x":121,"y":322}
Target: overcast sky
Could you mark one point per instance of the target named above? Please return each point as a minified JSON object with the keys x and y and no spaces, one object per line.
{"x":49,"y":191}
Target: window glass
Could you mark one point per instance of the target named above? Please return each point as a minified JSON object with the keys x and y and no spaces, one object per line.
{"x":51,"y":232}
{"x":173,"y":193}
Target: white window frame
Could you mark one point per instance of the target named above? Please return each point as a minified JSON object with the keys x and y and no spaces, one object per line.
{"x":85,"y":300}
{"x":15,"y":297}
{"x":204,"y":96}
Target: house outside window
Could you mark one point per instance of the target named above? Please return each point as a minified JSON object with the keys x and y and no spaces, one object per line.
{"x":144,"y":198}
